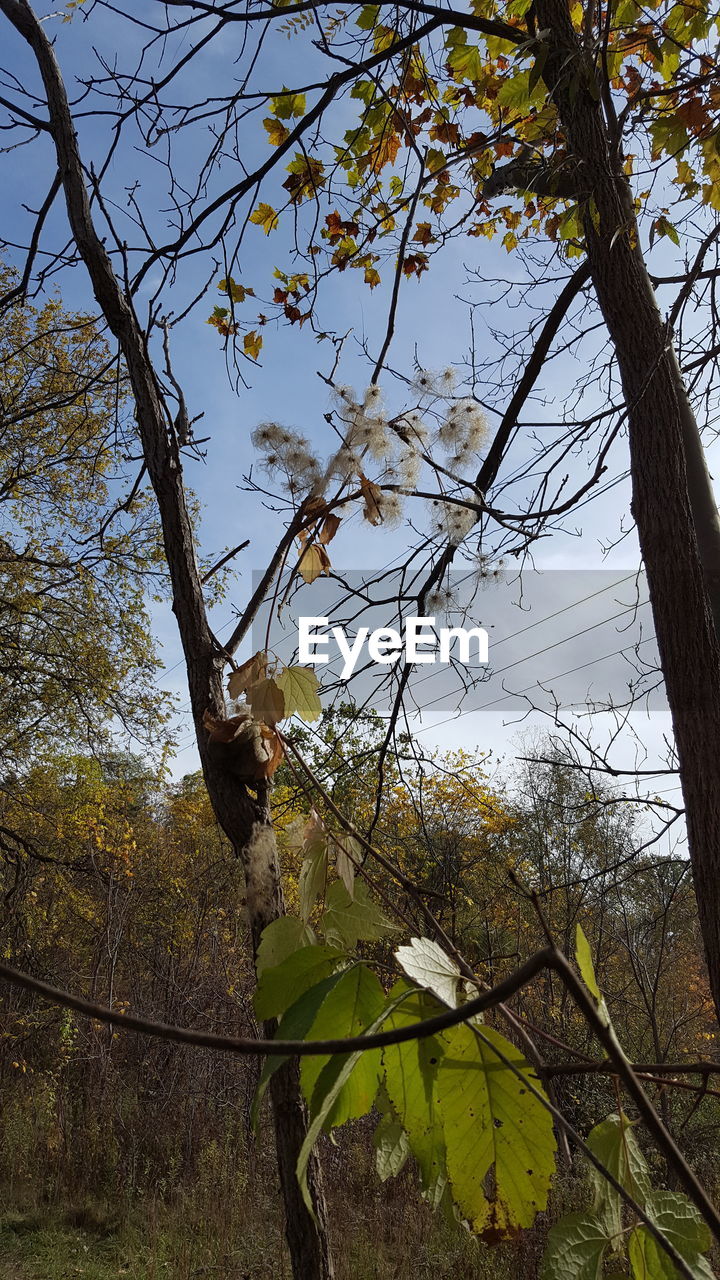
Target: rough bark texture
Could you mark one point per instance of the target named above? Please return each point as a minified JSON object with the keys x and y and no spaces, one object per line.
{"x":244,"y":818}
{"x":660,"y":423}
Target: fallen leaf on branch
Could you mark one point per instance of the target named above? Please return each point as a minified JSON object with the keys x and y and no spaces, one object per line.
{"x":249,"y":673}
{"x":313,"y":562}
{"x":372,"y":495}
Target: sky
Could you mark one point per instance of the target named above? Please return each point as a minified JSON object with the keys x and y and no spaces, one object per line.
{"x":433,"y":326}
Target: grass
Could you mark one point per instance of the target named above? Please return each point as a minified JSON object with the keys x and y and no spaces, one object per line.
{"x":154,"y":1244}
{"x":170,"y":1241}
{"x":83,"y":1209}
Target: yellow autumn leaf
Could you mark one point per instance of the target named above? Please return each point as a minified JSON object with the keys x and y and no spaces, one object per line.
{"x":238,"y":292}
{"x":313,"y":562}
{"x":252,"y":344}
{"x":276,"y":131}
{"x":264,"y":216}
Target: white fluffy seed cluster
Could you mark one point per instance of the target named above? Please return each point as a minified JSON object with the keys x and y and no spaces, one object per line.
{"x":451,"y":520}
{"x":287,"y":452}
{"x":463,"y":428}
{"x":458,"y":429}
{"x":463,"y":432}
{"x":363,"y":420}
{"x":441,"y":600}
{"x":433,"y":384}
{"x":366,"y":431}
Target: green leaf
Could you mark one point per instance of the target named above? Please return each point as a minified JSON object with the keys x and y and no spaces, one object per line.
{"x":616,"y":1147}
{"x":668,"y":134}
{"x":575,"y":1249}
{"x":288,"y":105}
{"x":299,"y":686}
{"x":365,"y":90}
{"x":493,"y":1124}
{"x":410,"y":1073}
{"x":328,"y":1088}
{"x":294,"y":1025}
{"x":348,"y":853}
{"x":313,"y":874}
{"x":540,"y":51}
{"x":282,"y":985}
{"x":352,"y":1004}
{"x":666,"y":228}
{"x":683,"y":1227}
{"x":280,"y":939}
{"x":435,"y":159}
{"x":583,"y":956}
{"x":391,"y":1147}
{"x":456,"y":38}
{"x":347,"y":919}
{"x":428,"y":965}
{"x":465,"y":62}
{"x":518,"y":94}
{"x":367,"y":17}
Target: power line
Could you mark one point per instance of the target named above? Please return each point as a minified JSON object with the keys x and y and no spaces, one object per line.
{"x":184,"y":743}
{"x":518,"y":693}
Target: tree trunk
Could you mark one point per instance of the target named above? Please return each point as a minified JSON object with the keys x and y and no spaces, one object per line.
{"x":244,"y":818}
{"x":664,"y":449}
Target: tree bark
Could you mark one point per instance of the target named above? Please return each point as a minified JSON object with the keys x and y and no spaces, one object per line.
{"x":245,"y":818}
{"x":664,"y":451}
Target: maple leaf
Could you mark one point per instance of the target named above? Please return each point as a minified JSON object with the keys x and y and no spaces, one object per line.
{"x":372,"y":277}
{"x":306,"y":178}
{"x":267,"y":701}
{"x":423,"y":233}
{"x":385,"y":152}
{"x":694,"y":114}
{"x":276,"y":131}
{"x":246,"y":675}
{"x":265,"y":216}
{"x":445,"y":131}
{"x":238,"y":292}
{"x":274,"y":748}
{"x":299,"y":686}
{"x":337,"y":229}
{"x":314,"y":506}
{"x":414,"y":264}
{"x":435,"y":160}
{"x":288,"y":105}
{"x":252,"y":344}
{"x":367,"y":17}
{"x":220,"y":321}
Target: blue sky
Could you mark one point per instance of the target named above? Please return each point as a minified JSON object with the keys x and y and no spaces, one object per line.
{"x":433,"y":319}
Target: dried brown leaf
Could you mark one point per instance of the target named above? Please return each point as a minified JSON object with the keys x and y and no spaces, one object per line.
{"x":267,"y":702}
{"x":329,"y":528}
{"x":373,"y":496}
{"x":249,"y":673}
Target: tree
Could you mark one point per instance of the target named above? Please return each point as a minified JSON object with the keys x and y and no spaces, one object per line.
{"x":561,"y":107}
{"x":79,"y":543}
